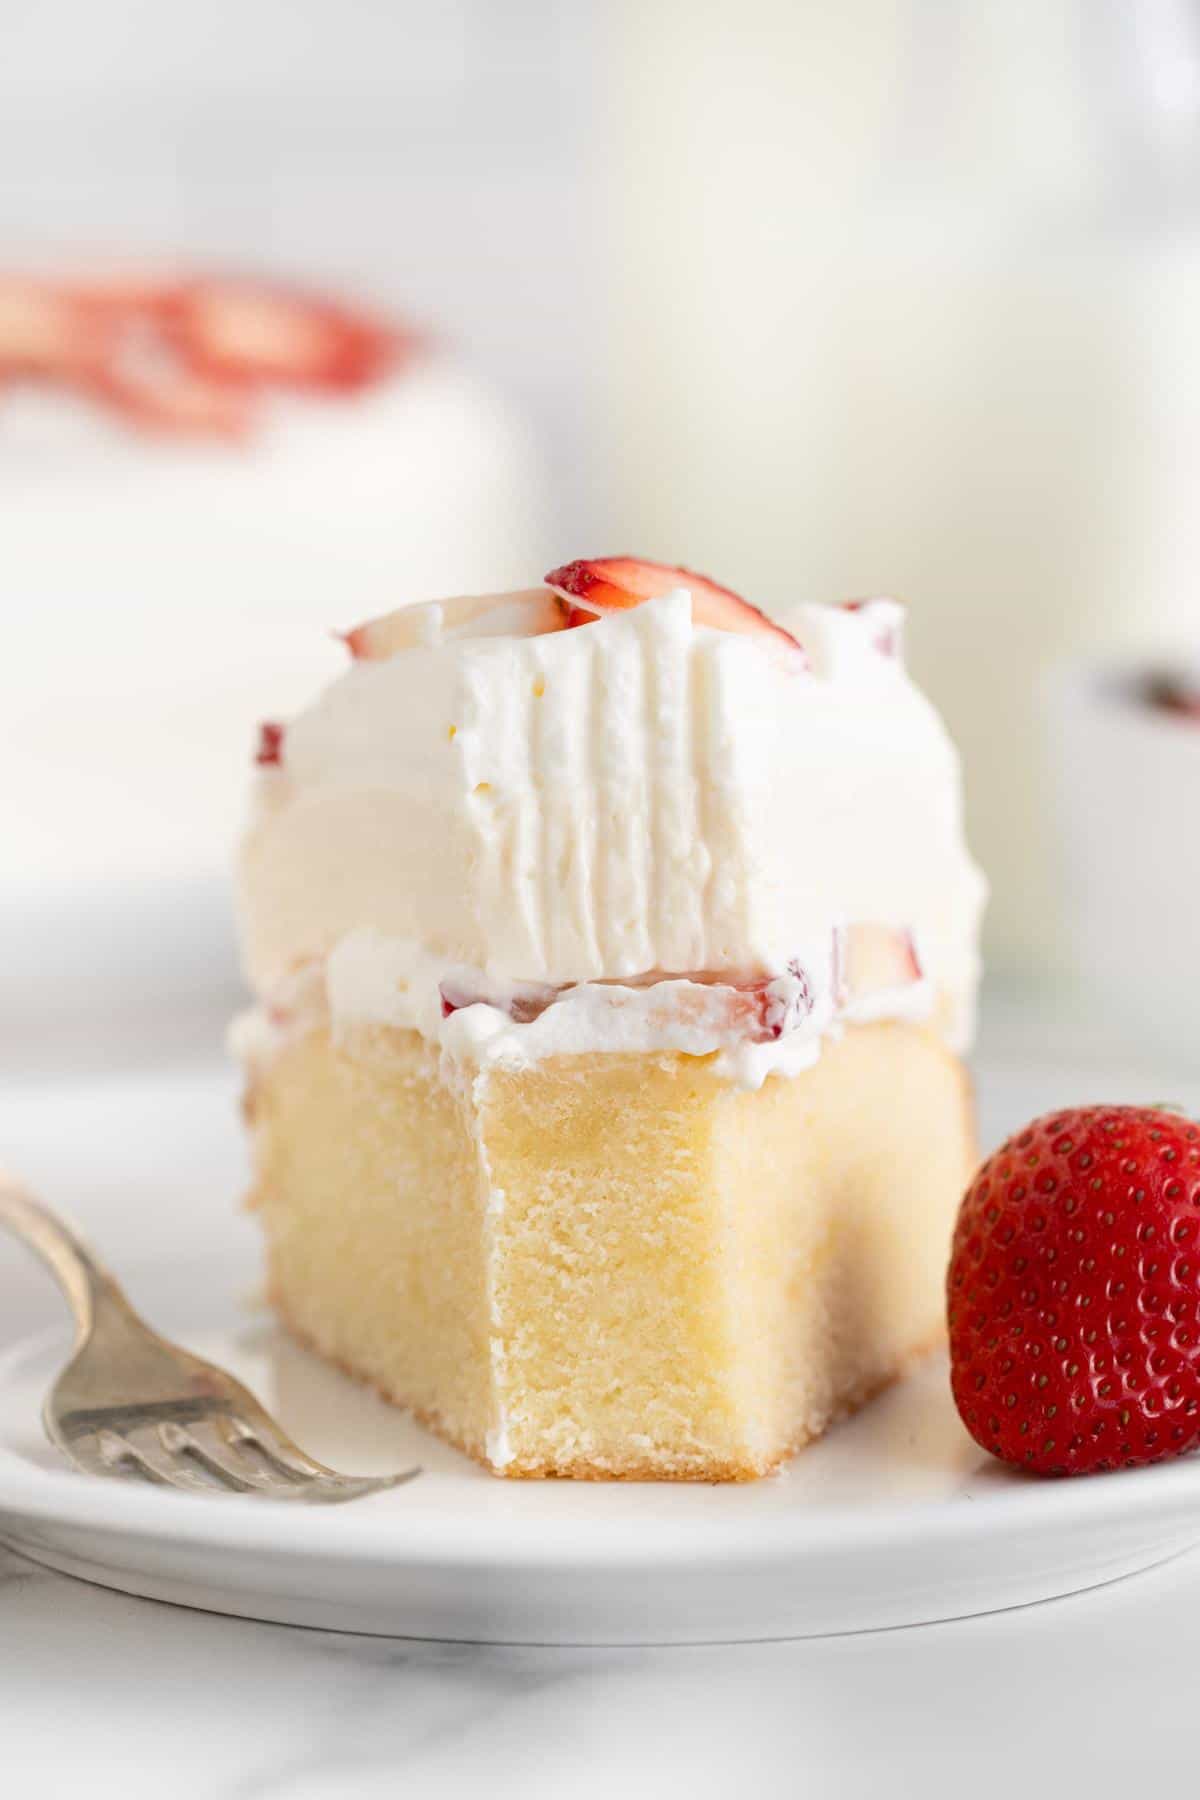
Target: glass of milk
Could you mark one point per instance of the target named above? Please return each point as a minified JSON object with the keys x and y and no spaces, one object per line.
{"x":911,"y":303}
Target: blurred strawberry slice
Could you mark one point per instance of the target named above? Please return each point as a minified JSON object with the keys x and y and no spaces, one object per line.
{"x":249,"y":331}
{"x":615,"y":583}
{"x":268,"y":752}
{"x":156,"y":395}
{"x":99,"y":338}
{"x":126,"y":289}
{"x":47,"y":330}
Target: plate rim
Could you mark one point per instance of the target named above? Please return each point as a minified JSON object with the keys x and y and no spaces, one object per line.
{"x":64,"y":1498}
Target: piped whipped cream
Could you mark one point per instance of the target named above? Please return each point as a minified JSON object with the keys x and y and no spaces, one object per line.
{"x":525,"y":846}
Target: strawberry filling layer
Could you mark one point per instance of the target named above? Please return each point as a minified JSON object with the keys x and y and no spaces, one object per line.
{"x":866,"y":961}
{"x":754,"y":1026}
{"x":761,"y":1011}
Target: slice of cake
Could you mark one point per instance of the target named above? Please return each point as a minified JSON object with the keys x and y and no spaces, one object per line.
{"x":614,"y":948}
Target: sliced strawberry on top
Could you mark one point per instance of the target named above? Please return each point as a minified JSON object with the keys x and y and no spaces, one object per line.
{"x":615,"y":583}
{"x":530,"y":612}
{"x":250,"y":331}
{"x":47,"y":330}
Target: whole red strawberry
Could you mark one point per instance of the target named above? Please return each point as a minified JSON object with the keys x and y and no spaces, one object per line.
{"x":1073,"y":1292}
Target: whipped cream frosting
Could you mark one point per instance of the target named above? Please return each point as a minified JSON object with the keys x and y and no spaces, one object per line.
{"x":459,"y":832}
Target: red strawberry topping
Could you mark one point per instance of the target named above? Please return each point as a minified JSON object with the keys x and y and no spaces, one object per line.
{"x":181,"y":357}
{"x":524,"y":1001}
{"x":763,"y":1009}
{"x":156,"y":395}
{"x":249,"y":331}
{"x":125,"y":289}
{"x":773,"y":1006}
{"x":48,"y":332}
{"x":615,"y":583}
{"x":269,"y":751}
{"x":1074,"y":1292}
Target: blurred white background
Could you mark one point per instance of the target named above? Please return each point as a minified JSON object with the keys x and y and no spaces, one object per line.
{"x":930,"y":285}
{"x":896,"y":295}
{"x":434,"y":154}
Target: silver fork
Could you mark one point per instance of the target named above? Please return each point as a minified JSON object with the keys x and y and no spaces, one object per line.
{"x":131,"y":1404}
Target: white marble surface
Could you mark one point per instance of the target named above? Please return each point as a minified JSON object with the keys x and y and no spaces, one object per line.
{"x":107,"y":1695}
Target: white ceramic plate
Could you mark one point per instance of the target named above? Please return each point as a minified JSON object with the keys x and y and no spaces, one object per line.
{"x":894,"y":1519}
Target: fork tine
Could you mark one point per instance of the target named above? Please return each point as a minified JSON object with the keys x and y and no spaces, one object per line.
{"x":273,"y":1443}
{"x":218,"y":1457}
{"x":226,"y":1462}
{"x":173,"y":1457}
{"x":297,"y":1466}
{"x":130,"y":1403}
{"x":332,"y":1488}
{"x":252,"y":1453}
{"x":117,"y":1455}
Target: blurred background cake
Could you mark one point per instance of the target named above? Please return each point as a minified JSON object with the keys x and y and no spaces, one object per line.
{"x":191,"y":464}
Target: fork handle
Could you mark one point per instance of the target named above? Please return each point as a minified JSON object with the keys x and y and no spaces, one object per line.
{"x":80,"y":1274}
